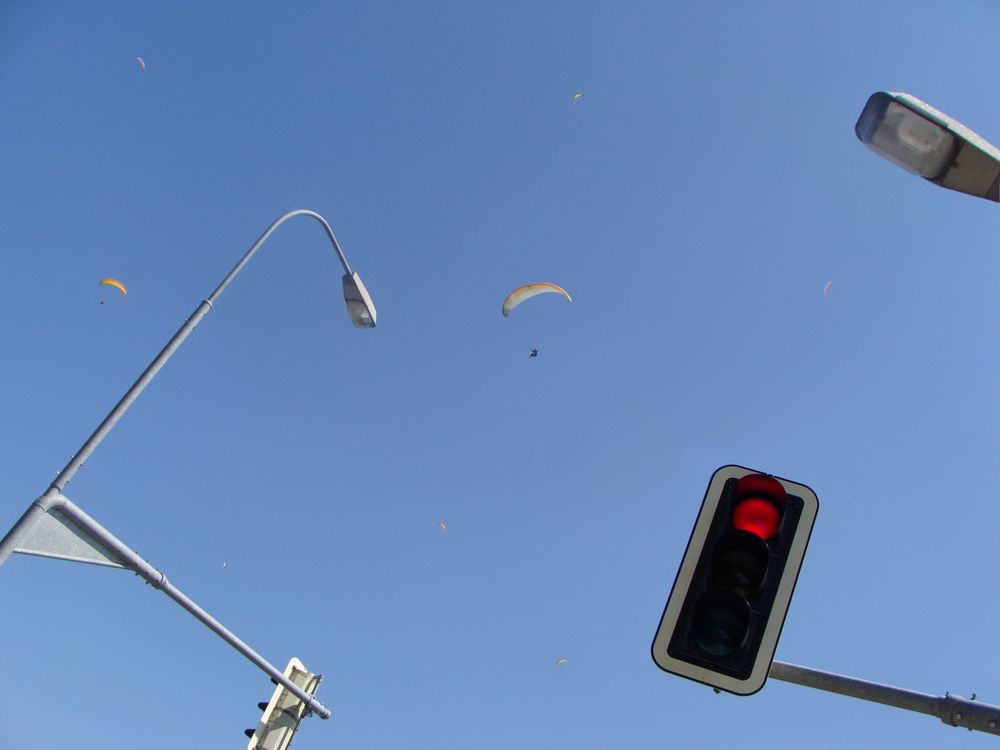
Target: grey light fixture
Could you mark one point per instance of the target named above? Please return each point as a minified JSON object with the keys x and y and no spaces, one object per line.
{"x":359,"y":303}
{"x":922,"y":140}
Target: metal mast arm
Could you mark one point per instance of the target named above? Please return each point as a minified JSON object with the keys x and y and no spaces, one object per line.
{"x":951,"y":709}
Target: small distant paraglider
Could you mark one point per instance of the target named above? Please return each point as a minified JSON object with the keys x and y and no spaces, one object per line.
{"x":560,"y":662}
{"x":577,"y":96}
{"x":828,"y":287}
{"x":442,"y":525}
{"x":141,"y":63}
{"x":527,"y":291}
{"x":116,"y":284}
{"x":533,"y":352}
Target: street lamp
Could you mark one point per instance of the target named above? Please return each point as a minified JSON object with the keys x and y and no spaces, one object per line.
{"x":53,"y":526}
{"x":359,"y":307}
{"x":922,"y":140}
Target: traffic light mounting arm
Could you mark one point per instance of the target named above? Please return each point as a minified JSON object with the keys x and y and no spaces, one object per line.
{"x":70,"y":515}
{"x":951,"y":709}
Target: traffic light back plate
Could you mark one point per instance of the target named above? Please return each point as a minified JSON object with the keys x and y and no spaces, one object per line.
{"x":701,"y":670}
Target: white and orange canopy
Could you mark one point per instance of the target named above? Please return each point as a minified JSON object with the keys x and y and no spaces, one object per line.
{"x":527,"y":291}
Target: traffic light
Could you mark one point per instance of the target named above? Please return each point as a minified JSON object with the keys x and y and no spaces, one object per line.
{"x":725,"y":611}
{"x":282,"y":714}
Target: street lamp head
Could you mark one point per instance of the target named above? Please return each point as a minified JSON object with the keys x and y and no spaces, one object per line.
{"x":905,"y":136}
{"x":359,"y":303}
{"x":922,"y":140}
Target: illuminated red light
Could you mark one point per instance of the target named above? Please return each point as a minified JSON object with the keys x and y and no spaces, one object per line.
{"x":760,"y":500}
{"x":757,"y":516}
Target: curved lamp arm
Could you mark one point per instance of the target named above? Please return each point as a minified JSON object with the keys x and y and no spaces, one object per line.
{"x":359,"y":307}
{"x":263,"y":238}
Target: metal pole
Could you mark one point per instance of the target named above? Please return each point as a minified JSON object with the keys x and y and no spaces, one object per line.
{"x":951,"y":709}
{"x":64,"y":476}
{"x":53,"y":497}
{"x":130,"y":559}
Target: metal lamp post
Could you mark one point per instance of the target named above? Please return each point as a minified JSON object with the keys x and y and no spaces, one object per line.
{"x":922,"y":140}
{"x":53,"y":526}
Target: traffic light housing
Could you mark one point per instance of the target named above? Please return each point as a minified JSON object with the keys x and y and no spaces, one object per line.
{"x":282,"y":714}
{"x":724,"y":614}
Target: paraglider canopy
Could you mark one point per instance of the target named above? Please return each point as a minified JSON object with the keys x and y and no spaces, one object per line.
{"x":116,"y":284}
{"x":527,"y":291}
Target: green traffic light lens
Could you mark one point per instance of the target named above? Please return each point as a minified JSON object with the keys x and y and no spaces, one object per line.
{"x":720,"y":623}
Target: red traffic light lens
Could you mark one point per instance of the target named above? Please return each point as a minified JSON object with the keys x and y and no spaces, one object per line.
{"x":759,"y":501}
{"x":757,"y":516}
{"x":761,"y":485}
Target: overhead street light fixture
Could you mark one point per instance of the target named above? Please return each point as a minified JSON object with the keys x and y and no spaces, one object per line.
{"x":922,"y":140}
{"x":359,"y":303}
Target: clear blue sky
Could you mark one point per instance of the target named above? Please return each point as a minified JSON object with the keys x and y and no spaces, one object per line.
{"x":289,"y":472}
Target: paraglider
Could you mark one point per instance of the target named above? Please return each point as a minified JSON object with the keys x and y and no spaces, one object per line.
{"x":141,"y":62}
{"x":443,"y":525}
{"x":560,"y":662}
{"x":533,"y":352}
{"x":577,"y":96}
{"x":828,"y":287}
{"x":527,"y":291}
{"x":116,"y":284}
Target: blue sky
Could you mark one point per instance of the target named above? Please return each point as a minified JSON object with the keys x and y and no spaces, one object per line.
{"x":289,"y":472}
